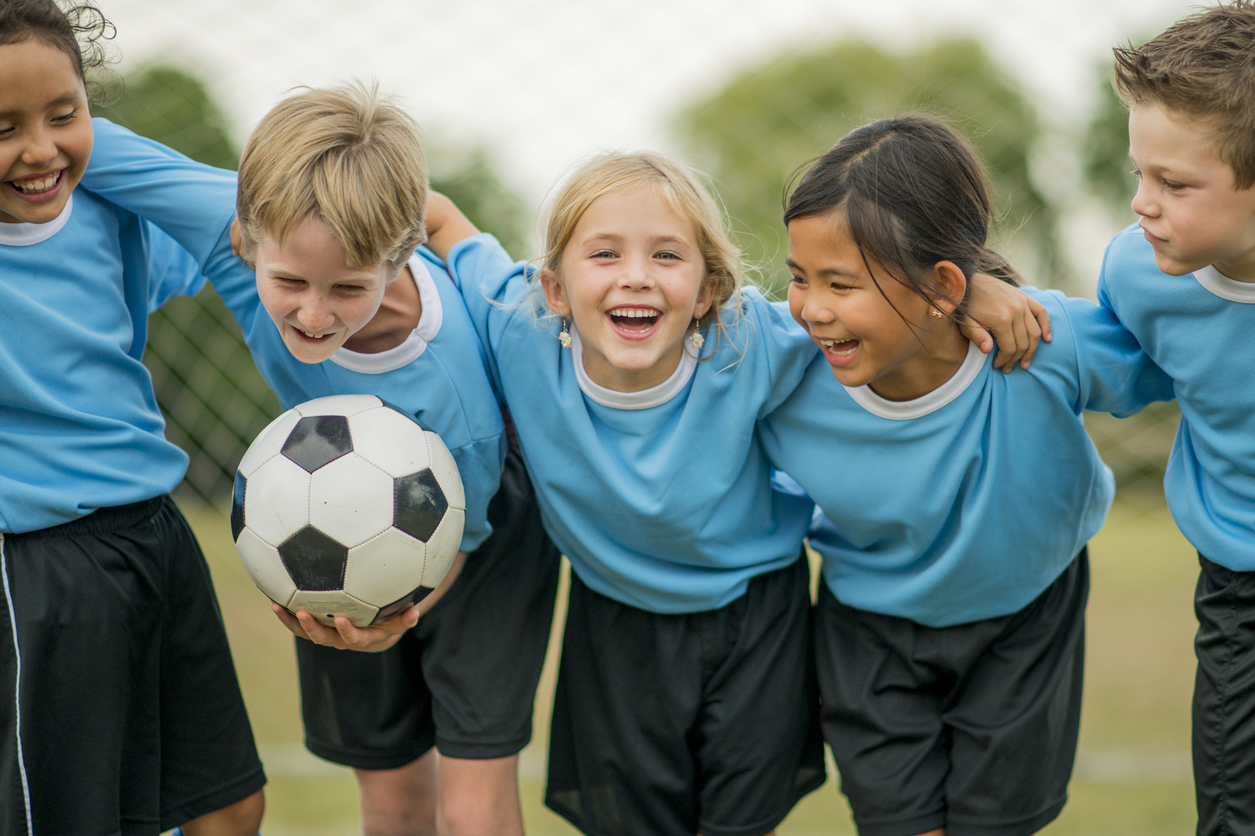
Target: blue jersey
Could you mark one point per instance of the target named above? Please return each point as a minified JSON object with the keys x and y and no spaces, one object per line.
{"x":79,"y":424}
{"x":437,"y":374}
{"x":662,"y":499}
{"x":1197,"y":327}
{"x":967,"y":503}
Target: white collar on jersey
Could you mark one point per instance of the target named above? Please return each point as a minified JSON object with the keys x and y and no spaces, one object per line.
{"x":415,"y":344}
{"x":1224,"y":287}
{"x":933,"y":401}
{"x":23,"y":235}
{"x":645,"y":398}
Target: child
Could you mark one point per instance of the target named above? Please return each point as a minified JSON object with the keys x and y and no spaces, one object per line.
{"x":331,"y":200}
{"x":686,"y":697}
{"x":956,"y":502}
{"x":1184,"y":285}
{"x":122,"y":712}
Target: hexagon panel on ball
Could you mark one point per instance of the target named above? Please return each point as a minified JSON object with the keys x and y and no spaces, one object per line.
{"x":346,"y":405}
{"x":276,"y":502}
{"x":390,"y":440}
{"x":350,"y":500}
{"x":263,"y":564}
{"x":382,"y":569}
{"x":325,"y":606}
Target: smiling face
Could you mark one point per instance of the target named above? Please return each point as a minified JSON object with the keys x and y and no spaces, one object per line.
{"x":315,"y":299}
{"x":882,"y":336}
{"x":1189,"y":206}
{"x":633,"y":279}
{"x":45,"y":131}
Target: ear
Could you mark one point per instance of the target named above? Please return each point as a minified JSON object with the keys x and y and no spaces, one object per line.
{"x":555,"y":294}
{"x":951,"y":286}
{"x":239,"y":247}
{"x":706,"y":296}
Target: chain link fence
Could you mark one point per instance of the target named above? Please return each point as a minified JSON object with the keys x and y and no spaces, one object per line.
{"x":512,"y":93}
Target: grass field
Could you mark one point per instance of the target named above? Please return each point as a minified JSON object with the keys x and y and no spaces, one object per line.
{"x":1132,"y":774}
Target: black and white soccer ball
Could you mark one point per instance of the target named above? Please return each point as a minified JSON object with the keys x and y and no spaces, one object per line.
{"x":347,"y":506}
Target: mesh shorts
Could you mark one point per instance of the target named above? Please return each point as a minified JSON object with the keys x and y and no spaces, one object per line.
{"x":971,"y":728}
{"x":704,"y":722}
{"x":464,"y":678}
{"x":130,"y":716}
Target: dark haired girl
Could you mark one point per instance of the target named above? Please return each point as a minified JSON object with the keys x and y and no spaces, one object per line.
{"x":957,"y":501}
{"x":120,"y":707}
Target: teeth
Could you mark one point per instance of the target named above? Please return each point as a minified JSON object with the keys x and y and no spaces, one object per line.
{"x":633,"y":313}
{"x":37,"y":184}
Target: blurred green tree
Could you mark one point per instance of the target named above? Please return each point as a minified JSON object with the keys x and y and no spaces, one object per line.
{"x":769,"y":120}
{"x":469,"y":178}
{"x":1105,"y":155}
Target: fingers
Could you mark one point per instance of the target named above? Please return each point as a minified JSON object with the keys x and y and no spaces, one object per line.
{"x":1034,"y":330}
{"x":1041,"y":317}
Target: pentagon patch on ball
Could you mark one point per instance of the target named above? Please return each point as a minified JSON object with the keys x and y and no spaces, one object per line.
{"x":347,"y":506}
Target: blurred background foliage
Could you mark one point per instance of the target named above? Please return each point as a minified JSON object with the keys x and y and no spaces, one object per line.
{"x":749,"y":136}
{"x":752,"y":135}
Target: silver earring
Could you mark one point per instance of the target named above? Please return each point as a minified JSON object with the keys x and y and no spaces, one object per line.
{"x":564,"y":336}
{"x":938,"y":314}
{"x":697,"y":339}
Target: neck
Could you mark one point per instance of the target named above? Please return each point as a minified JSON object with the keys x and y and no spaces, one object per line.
{"x":398,"y":316}
{"x":939,"y":358}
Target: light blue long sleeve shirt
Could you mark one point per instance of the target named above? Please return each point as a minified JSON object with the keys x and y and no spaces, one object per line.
{"x":661,"y":499}
{"x":1199,"y":328}
{"x":966,"y":503}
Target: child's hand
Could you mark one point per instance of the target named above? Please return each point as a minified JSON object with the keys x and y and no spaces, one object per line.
{"x":346,"y":636}
{"x":1016,"y":320}
{"x":375,"y":638}
{"x":446,"y":225}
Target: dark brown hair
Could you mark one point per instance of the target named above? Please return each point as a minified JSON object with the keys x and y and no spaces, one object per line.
{"x":79,"y":30}
{"x":1201,"y":66}
{"x":913,"y":192}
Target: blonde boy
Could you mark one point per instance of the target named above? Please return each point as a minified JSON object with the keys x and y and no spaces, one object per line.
{"x":333,"y":298}
{"x":1183,"y":282}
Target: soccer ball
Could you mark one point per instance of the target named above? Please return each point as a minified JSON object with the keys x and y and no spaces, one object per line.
{"x":347,"y":506}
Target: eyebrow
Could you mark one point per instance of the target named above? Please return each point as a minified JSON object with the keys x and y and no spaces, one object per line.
{"x":825,"y":272}
{"x":64,"y":99}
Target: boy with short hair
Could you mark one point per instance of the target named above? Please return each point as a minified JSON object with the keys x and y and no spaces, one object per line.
{"x":334,"y":299}
{"x":1183,"y":282}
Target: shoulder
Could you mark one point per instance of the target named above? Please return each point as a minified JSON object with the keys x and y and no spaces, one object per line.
{"x":1128,"y":256}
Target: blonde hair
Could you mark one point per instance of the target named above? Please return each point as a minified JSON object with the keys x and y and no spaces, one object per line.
{"x":675,"y":184}
{"x":342,"y":155}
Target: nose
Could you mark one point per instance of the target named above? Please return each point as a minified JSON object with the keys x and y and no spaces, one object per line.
{"x":814,"y":311}
{"x":314,"y":313}
{"x":637,"y":274}
{"x":40,"y":149}
{"x":1142,"y":204}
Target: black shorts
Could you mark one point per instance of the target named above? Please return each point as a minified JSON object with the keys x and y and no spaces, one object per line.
{"x":679,"y":724}
{"x":464,"y":678}
{"x":970,"y":728}
{"x":1224,"y":701}
{"x":129,"y":717}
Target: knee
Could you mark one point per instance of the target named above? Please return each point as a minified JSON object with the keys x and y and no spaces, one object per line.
{"x":396,"y":803}
{"x":243,"y":818}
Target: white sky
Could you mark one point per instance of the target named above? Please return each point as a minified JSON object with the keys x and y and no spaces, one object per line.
{"x":545,"y":82}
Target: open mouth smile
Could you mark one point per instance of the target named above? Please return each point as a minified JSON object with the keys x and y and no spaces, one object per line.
{"x":38,"y":188}
{"x":634,"y":323}
{"x":839,"y":352}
